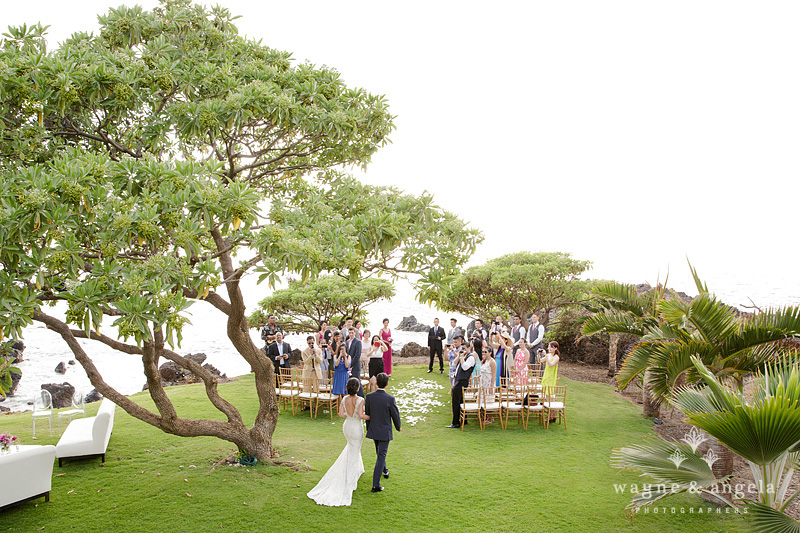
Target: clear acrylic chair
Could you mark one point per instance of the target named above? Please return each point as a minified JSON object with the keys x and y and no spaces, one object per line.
{"x":78,"y":408}
{"x":42,"y":408}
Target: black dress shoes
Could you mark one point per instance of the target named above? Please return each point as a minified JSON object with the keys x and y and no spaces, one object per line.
{"x":441,"y":370}
{"x":453,"y":426}
{"x":386,"y":474}
{"x":377,"y":489}
{"x":429,"y":371}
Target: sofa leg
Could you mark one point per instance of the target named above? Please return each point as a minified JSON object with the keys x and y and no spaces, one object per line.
{"x":47,"y":497}
{"x":59,"y":462}
{"x":103,"y":458}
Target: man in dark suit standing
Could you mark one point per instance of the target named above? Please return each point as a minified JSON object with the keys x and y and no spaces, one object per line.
{"x":279,"y":352}
{"x":354,"y":351}
{"x":383,"y":412}
{"x":435,"y":337}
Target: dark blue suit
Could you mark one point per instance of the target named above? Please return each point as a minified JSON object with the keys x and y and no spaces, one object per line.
{"x":354,"y":351}
{"x":383,"y":412}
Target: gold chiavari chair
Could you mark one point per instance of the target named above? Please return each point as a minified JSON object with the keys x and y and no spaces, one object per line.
{"x":555,"y":401}
{"x":325,"y":397}
{"x":308,"y":394}
{"x":289,"y":389}
{"x":470,"y":406}
{"x":490,"y":404}
{"x":512,"y":395}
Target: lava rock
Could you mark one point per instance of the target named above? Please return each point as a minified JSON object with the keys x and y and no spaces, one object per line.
{"x":61,"y":368}
{"x":62,"y":394}
{"x":211,"y":368}
{"x":412,"y":349}
{"x":409,"y":323}
{"x":71,"y":362}
{"x":198,"y":358}
{"x":93,"y":396}
{"x":4,"y":409}
{"x":170,"y":371}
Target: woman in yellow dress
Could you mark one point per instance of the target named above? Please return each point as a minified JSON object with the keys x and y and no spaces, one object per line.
{"x":550,"y":359}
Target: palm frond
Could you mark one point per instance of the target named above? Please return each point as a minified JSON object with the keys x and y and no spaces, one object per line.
{"x":670,"y":360}
{"x":612,"y":322}
{"x":620,"y":297}
{"x":713,"y":319}
{"x":762,"y":517}
{"x":636,"y":363}
{"x":701,"y":287}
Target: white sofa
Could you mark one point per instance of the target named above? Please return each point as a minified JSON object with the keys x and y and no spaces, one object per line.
{"x":88,"y":436}
{"x":27,"y":474}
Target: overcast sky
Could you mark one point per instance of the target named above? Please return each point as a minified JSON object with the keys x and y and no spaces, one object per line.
{"x":629,"y":133}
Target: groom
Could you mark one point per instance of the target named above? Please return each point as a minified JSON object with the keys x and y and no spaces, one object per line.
{"x":382,"y":411}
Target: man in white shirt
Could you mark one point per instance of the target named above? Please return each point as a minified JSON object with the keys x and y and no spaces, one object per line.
{"x":517,"y":333}
{"x":535,"y":337}
{"x":464,"y":362}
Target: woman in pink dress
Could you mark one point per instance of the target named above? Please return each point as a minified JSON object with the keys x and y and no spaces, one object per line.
{"x":386,"y":335}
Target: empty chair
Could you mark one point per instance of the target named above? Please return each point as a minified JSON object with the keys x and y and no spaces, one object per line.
{"x":77,"y":409}
{"x":43,"y":408}
{"x":289,"y":389}
{"x":512,"y":397}
{"x":470,"y":406}
{"x":554,"y":402}
{"x":490,"y":405}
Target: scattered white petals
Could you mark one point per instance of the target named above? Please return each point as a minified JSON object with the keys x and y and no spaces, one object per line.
{"x":416,"y":398}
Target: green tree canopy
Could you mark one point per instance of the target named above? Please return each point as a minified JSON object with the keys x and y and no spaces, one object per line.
{"x":520,"y":283}
{"x":303,"y":306}
{"x":155,"y":165}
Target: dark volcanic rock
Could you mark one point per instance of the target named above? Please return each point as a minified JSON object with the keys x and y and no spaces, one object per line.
{"x":61,"y":368}
{"x":198,"y":358}
{"x":173,"y":374}
{"x":170,"y":371}
{"x":93,"y":396}
{"x":62,"y":394}
{"x":71,"y":362}
{"x":4,"y":409}
{"x":211,"y":368}
{"x":409,"y":323}
{"x":412,"y":349}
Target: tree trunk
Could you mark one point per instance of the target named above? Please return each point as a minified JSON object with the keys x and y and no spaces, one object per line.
{"x":613,"y":342}
{"x":650,"y":407}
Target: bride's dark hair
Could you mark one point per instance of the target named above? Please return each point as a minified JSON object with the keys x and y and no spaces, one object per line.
{"x":352,"y":386}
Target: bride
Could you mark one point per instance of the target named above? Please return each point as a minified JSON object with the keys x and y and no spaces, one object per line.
{"x":337,"y":485}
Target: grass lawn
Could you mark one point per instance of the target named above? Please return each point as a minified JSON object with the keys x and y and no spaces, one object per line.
{"x":441,"y":479}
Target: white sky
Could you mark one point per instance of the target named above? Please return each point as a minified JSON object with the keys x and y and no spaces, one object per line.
{"x":630,"y":133}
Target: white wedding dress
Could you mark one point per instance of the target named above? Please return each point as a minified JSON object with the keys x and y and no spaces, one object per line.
{"x":337,"y":485}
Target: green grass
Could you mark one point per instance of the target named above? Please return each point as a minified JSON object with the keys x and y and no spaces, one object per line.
{"x":441,"y":479}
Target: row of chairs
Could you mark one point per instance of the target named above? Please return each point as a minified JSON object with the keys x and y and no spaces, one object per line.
{"x":295,"y":392}
{"x":43,"y":409}
{"x":511,"y":398}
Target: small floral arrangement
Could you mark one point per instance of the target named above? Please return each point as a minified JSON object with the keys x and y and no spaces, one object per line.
{"x":245,"y":459}
{"x":6,"y":440}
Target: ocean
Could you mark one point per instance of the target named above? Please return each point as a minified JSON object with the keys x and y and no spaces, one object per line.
{"x":206,"y":334}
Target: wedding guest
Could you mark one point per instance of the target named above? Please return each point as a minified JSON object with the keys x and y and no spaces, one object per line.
{"x":323,"y":328}
{"x":488,"y":375}
{"x":435,"y":337}
{"x":476,"y":347}
{"x":535,"y":337}
{"x":503,"y":345}
{"x":480,"y":329}
{"x":550,"y":377}
{"x":375,"y":354}
{"x":269,"y":331}
{"x":386,"y":336}
{"x":354,"y":350}
{"x":312,"y":361}
{"x":452,"y":355}
{"x":521,"y":364}
{"x":517,"y":332}
{"x":360,"y":328}
{"x":498,"y":326}
{"x":327,"y":356}
{"x":454,"y":332}
{"x":348,"y":323}
{"x":279,"y":352}
{"x":464,"y":362}
{"x":341,"y":365}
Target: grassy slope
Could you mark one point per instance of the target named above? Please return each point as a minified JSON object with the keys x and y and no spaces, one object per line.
{"x":441,"y":479}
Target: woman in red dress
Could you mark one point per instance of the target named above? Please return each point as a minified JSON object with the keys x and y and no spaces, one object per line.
{"x":386,"y":335}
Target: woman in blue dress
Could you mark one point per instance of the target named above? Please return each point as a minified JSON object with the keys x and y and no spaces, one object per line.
{"x":503,"y":344}
{"x":341,"y":367}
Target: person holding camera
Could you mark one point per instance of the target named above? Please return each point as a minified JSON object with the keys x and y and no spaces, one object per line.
{"x":550,"y":362}
{"x":279,"y":352}
{"x":464,"y":363}
{"x":341,"y":365}
{"x":502,"y":345}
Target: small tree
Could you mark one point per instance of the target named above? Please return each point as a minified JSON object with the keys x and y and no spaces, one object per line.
{"x":521,"y":283}
{"x":303,"y":306}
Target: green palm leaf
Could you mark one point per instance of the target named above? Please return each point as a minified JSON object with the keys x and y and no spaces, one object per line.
{"x":613,"y":322}
{"x":713,"y":319}
{"x":761,"y":517}
{"x":620,"y":296}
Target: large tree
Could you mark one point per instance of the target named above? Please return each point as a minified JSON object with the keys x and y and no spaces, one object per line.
{"x":303,"y":306}
{"x":155,"y":165}
{"x":520,"y":283}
